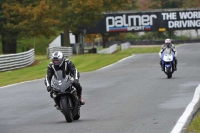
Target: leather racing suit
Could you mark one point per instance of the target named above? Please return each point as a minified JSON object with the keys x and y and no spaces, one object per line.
{"x":68,"y":68}
{"x":172,"y":48}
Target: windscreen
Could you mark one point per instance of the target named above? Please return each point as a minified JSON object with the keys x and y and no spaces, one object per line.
{"x":60,"y":75}
{"x":167,"y":51}
{"x":61,"y":81}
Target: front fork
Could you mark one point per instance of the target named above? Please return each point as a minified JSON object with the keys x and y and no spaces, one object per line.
{"x":162,"y":63}
{"x":69,"y":99}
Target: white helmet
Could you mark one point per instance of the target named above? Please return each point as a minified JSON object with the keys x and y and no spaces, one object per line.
{"x":57,"y":58}
{"x":168,"y":42}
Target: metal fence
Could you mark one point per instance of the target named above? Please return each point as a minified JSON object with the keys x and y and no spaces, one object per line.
{"x":109,"y":50}
{"x":14,"y":61}
{"x":125,"y":45}
{"x":113,"y":48}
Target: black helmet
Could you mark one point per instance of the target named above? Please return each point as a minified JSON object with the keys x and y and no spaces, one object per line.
{"x":57,"y":58}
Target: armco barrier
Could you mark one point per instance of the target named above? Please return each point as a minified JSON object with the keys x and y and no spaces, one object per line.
{"x":14,"y":61}
{"x":109,"y":50}
{"x":67,"y":51}
{"x":125,"y":45}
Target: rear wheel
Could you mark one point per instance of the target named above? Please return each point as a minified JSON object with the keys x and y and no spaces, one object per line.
{"x":66,"y":110}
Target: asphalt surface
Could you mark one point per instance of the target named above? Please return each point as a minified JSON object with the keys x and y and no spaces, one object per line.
{"x":131,"y":96}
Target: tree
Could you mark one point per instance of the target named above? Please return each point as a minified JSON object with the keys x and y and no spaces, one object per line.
{"x":160,"y":4}
{"x":189,"y":4}
{"x":143,"y":4}
{"x":117,"y":5}
{"x":23,"y":18}
{"x":165,"y":4}
{"x":77,"y":15}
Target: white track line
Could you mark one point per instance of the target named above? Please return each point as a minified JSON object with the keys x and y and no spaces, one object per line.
{"x":20,"y":83}
{"x":115,"y":63}
{"x":188,"y":114}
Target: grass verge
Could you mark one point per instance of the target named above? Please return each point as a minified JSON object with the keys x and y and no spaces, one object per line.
{"x":194,"y":125}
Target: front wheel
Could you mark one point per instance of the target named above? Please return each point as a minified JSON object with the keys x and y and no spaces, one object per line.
{"x":169,"y":74}
{"x":66,"y":109}
{"x":77,"y":116}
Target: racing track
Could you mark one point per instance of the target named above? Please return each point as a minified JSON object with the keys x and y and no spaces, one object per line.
{"x":131,"y":96}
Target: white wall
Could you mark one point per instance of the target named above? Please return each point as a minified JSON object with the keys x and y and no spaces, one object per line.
{"x":57,"y":41}
{"x":189,"y":33}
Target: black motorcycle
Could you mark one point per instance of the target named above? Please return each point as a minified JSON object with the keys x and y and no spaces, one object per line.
{"x":65,"y":96}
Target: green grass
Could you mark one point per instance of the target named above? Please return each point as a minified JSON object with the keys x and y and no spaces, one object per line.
{"x":194,"y":126}
{"x":84,"y":63}
{"x":89,"y":62}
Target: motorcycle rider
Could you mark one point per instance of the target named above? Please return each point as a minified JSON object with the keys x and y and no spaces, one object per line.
{"x":60,"y":63}
{"x":168,"y":44}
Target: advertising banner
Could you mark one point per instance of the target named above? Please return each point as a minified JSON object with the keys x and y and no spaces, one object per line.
{"x":147,"y":21}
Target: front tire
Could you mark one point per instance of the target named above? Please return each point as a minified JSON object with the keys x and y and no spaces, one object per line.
{"x":77,"y":116}
{"x":169,"y":74}
{"x":66,"y":110}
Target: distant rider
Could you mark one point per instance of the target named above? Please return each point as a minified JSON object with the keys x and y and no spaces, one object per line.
{"x":60,"y":63}
{"x":168,"y":45}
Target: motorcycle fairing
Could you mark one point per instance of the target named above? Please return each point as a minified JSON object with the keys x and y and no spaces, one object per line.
{"x":61,"y":83}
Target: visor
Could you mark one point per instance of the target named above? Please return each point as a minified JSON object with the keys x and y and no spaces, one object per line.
{"x":56,"y":62}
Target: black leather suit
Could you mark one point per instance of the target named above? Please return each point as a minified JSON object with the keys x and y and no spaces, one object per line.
{"x":68,"y":68}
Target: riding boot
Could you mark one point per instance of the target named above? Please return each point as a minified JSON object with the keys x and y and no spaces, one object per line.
{"x":56,"y":104}
{"x":163,"y":68}
{"x":161,"y":65}
{"x":175,"y":65}
{"x":80,"y":98}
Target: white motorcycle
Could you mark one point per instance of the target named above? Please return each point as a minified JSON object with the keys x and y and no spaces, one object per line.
{"x":168,"y":63}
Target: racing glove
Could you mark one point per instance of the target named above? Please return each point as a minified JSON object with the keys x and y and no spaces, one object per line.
{"x":49,"y":88}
